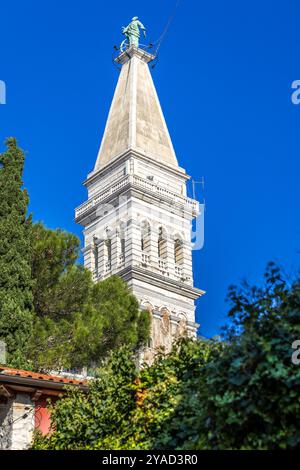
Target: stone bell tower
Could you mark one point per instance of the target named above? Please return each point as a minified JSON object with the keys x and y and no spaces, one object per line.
{"x":137,"y":219}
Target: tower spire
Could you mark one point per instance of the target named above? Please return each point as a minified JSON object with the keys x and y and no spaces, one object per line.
{"x":135,"y":120}
{"x":138,"y":219}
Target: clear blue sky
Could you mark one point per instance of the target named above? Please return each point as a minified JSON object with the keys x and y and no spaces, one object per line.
{"x":224,"y":80}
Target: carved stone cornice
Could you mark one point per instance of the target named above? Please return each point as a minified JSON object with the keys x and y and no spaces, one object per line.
{"x":157,"y":280}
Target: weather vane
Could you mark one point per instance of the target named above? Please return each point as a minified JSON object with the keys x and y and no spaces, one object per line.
{"x":132,"y":33}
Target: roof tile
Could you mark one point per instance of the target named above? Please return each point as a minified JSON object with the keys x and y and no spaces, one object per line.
{"x":33,"y":375}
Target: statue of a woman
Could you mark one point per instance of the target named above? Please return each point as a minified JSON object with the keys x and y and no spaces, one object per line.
{"x":132,"y":32}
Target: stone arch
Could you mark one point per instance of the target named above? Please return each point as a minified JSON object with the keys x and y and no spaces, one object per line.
{"x":108,"y":232}
{"x":147,"y":305}
{"x":107,"y":248}
{"x":181,"y":330}
{"x":145,"y":228}
{"x":107,"y":254}
{"x":178,"y":234}
{"x":145,"y":220}
{"x":178,"y":246}
{"x":165,"y":319}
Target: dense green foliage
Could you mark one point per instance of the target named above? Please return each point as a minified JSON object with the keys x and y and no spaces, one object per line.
{"x":16,"y":308}
{"x":255,"y":386}
{"x":238,"y":394}
{"x":52,"y":315}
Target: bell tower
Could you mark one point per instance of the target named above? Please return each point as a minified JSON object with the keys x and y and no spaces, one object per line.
{"x":137,"y":219}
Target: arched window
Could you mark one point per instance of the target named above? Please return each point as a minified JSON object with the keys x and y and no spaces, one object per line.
{"x":165,"y":320}
{"x":162,"y":244}
{"x":107,"y":254}
{"x":162,"y":251}
{"x":145,"y":242}
{"x":121,"y":246}
{"x":145,"y":236}
{"x":181,"y":330}
{"x":178,"y":257}
{"x":178,"y":251}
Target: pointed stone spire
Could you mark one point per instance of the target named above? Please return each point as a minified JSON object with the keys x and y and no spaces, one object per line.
{"x":135,"y":120}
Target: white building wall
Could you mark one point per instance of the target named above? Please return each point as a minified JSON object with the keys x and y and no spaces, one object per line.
{"x":107,"y":179}
{"x":159,"y":175}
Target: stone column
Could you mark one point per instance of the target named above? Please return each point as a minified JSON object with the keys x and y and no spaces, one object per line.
{"x":133,"y":244}
{"x":170,"y":258}
{"x":187,"y":262}
{"x":101,"y":258}
{"x":89,"y":258}
{"x":154,"y":248}
{"x":115,"y":251}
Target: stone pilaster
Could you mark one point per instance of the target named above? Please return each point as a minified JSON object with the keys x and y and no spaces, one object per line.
{"x":170,"y":259}
{"x":186,"y":266}
{"x":101,"y":259}
{"x":133,"y":253}
{"x":89,"y":258}
{"x":115,"y":251}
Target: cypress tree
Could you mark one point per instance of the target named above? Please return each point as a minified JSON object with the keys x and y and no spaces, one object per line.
{"x":16,"y":306}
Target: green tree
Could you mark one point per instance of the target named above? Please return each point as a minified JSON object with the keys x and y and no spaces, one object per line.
{"x":80,"y":420}
{"x":61,"y":285}
{"x":252,"y":397}
{"x":52,"y":315}
{"x":123,"y":323}
{"x":78,"y":322}
{"x":169,"y":397}
{"x":16,"y":307}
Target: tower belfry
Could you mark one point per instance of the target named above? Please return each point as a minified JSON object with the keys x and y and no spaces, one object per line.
{"x":137,"y":219}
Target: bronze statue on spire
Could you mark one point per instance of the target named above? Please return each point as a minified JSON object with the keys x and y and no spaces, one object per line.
{"x":132,"y":33}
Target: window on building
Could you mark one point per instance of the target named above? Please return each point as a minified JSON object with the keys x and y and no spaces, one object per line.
{"x":107,"y":247}
{"x":178,"y":251}
{"x":162,"y":243}
{"x":121,"y":246}
{"x":145,"y":237}
{"x":165,"y":321}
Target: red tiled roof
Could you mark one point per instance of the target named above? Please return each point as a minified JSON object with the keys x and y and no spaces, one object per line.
{"x":34,"y":375}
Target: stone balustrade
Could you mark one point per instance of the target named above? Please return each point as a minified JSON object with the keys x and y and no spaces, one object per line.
{"x":139,"y":182}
